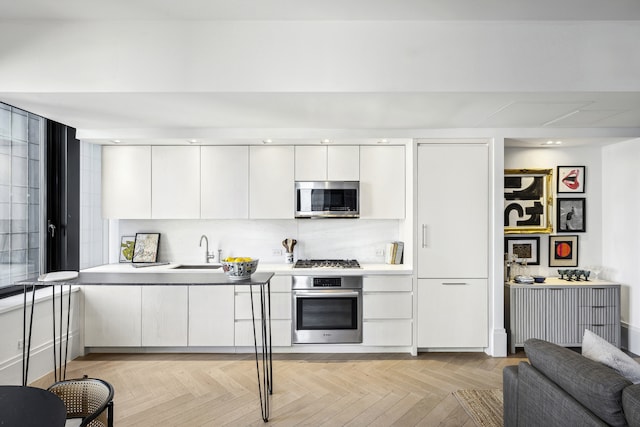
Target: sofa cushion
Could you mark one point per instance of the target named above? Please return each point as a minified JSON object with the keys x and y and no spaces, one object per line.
{"x":600,"y":350}
{"x":510,"y":395}
{"x":594,"y":385}
{"x":543,"y":403}
{"x":631,"y":404}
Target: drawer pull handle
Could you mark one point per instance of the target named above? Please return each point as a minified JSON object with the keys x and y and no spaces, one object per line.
{"x":454,"y":284}
{"x":424,"y":235}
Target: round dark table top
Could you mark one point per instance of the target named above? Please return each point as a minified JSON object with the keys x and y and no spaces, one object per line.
{"x":30,"y":407}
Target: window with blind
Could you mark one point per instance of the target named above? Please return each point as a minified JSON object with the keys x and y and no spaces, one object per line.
{"x":21,"y":134}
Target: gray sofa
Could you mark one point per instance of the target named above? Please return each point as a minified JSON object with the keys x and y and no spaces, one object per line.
{"x":559,"y":387}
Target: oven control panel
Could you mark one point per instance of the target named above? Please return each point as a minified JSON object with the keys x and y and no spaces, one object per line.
{"x":327,"y":282}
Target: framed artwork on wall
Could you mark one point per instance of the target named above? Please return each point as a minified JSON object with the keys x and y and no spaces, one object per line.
{"x":524,"y":248}
{"x":563,"y":251}
{"x":571,"y":179}
{"x":571,"y":215}
{"x":126,"y":248}
{"x":527,"y":201}
{"x":146,"y":247}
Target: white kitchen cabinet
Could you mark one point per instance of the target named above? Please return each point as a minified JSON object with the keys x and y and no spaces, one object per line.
{"x":164,"y":316}
{"x":327,"y":163}
{"x":382,"y":182}
{"x":211,"y":316}
{"x":224,"y":182}
{"x":271,"y":182}
{"x":175,"y":182}
{"x":112,"y":316}
{"x":126,"y":182}
{"x":453,"y":210}
{"x":387,"y":311}
{"x":280,"y":313}
{"x":452,"y":313}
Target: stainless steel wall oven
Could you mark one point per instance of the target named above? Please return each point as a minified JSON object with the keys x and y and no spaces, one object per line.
{"x":326,"y":309}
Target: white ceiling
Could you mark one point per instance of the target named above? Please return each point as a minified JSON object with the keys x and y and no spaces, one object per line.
{"x":175,"y":117}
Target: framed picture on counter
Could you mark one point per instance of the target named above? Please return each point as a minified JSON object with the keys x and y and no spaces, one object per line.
{"x":527,"y":201}
{"x":571,"y":179}
{"x":126,"y":248}
{"x":146,"y":247}
{"x":563,"y":251}
{"x":571,"y":215}
{"x":524,"y":249}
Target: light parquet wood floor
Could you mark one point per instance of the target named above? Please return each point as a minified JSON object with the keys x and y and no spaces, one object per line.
{"x":309,"y":389}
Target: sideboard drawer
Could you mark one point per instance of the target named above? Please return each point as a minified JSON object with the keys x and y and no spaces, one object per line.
{"x":598,"y":315}
{"x":601,"y":297}
{"x":610,"y":333}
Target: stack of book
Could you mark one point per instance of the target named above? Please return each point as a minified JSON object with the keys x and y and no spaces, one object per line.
{"x":393,"y":254}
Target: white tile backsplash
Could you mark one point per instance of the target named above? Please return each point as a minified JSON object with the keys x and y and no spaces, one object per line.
{"x":317,"y":238}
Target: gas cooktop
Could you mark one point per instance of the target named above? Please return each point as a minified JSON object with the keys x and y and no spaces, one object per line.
{"x":326,"y":263}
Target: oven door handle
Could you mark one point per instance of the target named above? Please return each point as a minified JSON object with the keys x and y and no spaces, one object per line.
{"x":327,"y":293}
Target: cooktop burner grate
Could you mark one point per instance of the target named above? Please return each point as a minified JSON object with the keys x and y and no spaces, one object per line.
{"x":326,"y":263}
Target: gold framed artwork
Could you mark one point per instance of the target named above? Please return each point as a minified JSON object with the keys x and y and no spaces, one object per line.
{"x":527,"y":201}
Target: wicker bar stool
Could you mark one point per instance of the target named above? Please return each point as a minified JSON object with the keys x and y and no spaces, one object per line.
{"x":88,"y":399}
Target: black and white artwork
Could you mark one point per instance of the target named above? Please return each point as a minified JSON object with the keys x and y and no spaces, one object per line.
{"x":527,"y":200}
{"x":571,"y":215}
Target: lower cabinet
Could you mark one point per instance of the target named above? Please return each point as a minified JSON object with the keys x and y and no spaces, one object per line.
{"x":560,"y":312}
{"x":280,"y":313}
{"x":112,"y":316}
{"x":164,"y":316}
{"x":211,"y":316}
{"x":387,"y":311}
{"x":452,"y":313}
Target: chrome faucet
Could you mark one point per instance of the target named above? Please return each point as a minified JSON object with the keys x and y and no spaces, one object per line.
{"x":207,"y":255}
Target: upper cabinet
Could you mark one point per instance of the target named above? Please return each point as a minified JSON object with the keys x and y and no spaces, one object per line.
{"x":224,"y":182}
{"x":453,"y":196}
{"x":271,"y":182}
{"x":382,"y":182}
{"x":126,"y":182}
{"x":175,"y":182}
{"x":327,"y":163}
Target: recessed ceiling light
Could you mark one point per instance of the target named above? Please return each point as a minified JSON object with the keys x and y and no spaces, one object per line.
{"x":325,"y":141}
{"x":267,"y":141}
{"x":383,"y":141}
{"x":549,"y":142}
{"x":115,"y":141}
{"x":192,"y":141}
{"x":558,"y":142}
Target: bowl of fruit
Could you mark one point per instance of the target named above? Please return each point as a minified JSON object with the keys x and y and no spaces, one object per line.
{"x":239,"y":268}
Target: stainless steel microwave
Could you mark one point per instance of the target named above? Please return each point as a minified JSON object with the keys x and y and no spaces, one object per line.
{"x":327,"y":199}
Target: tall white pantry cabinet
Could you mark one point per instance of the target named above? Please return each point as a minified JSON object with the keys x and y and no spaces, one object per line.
{"x":453,"y":227}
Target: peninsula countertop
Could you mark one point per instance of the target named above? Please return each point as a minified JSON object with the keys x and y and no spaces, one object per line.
{"x":217,"y":278}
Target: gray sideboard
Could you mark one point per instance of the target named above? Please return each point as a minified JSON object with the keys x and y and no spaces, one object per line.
{"x":559,"y":311}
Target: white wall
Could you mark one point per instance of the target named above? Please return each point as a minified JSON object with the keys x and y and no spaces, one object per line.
{"x":317,"y":238}
{"x":42,"y":337}
{"x":590,"y":242}
{"x":621,"y":230}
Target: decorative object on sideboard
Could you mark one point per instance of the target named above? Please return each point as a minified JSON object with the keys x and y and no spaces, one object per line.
{"x":126,"y":248}
{"x":527,"y":201}
{"x":145,"y":248}
{"x":571,"y":215}
{"x":571,"y":179}
{"x":563,"y":251}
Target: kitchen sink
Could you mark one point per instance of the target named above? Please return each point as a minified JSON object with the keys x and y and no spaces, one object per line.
{"x":197,"y":267}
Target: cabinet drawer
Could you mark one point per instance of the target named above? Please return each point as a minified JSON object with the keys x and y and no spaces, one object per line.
{"x":387,"y":305}
{"x":598,"y":315}
{"x":386,"y":283}
{"x":280,"y":333}
{"x":280,"y":305}
{"x":590,"y":297}
{"x":387,"y":332}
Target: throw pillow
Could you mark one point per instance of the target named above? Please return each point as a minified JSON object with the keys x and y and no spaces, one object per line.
{"x":600,"y":350}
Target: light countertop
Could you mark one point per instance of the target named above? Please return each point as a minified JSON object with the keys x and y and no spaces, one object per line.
{"x":280,"y":269}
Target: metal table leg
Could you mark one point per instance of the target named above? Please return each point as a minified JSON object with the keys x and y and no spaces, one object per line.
{"x":265,"y":380}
